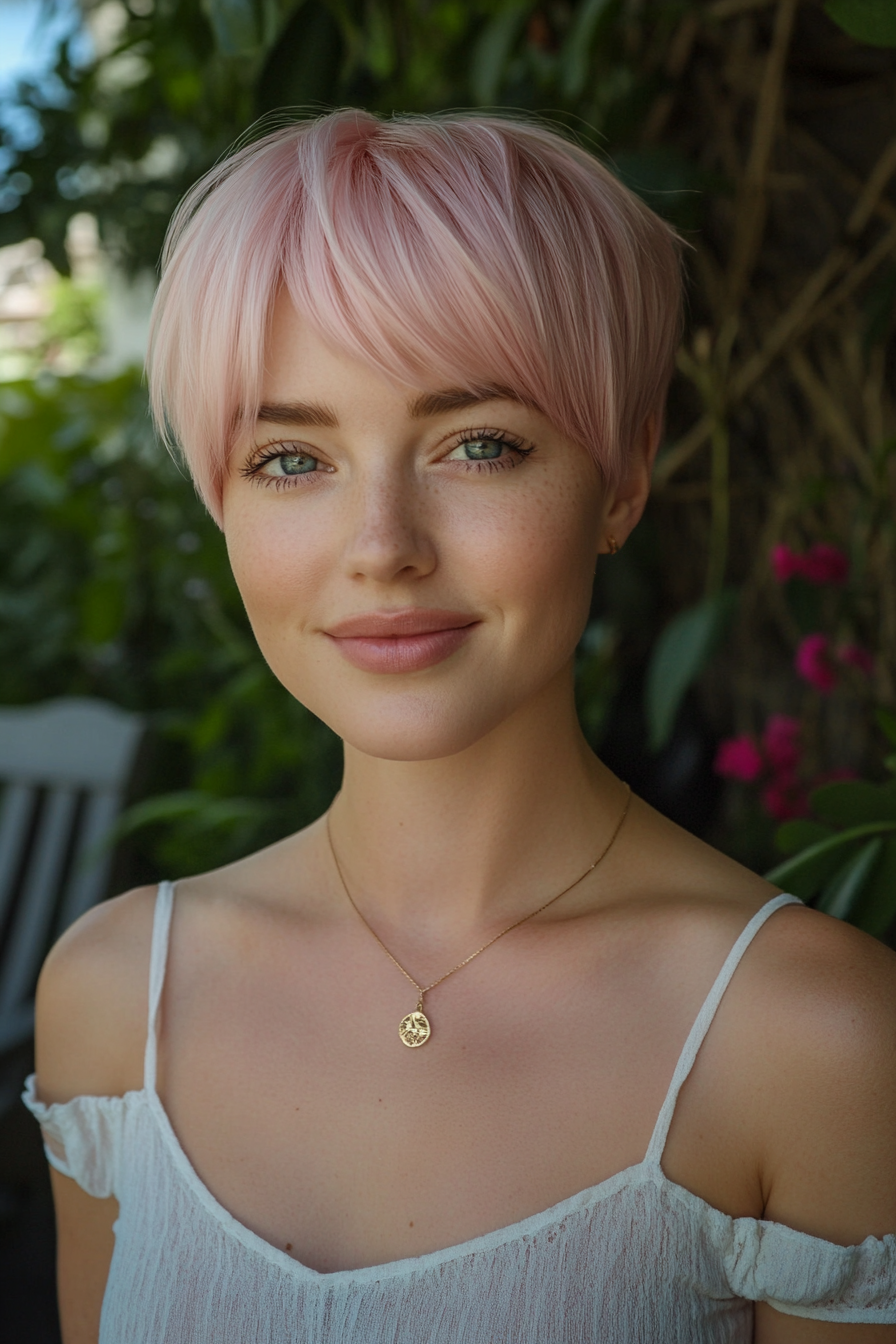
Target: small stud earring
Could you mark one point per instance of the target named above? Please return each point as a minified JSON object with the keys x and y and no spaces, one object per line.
{"x":613,"y":545}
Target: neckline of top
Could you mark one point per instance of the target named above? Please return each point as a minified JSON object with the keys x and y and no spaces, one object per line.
{"x":646,"y":1172}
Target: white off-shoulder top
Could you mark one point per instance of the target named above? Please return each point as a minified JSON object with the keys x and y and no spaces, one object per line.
{"x":636,"y":1259}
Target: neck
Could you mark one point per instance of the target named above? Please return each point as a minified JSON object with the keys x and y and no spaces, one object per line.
{"x":440,"y":852}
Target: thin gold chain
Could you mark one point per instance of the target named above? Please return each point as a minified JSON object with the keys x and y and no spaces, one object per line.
{"x":424,"y":989}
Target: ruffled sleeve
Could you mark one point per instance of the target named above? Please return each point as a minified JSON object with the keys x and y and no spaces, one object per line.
{"x":802,"y":1275}
{"x":82,"y":1138}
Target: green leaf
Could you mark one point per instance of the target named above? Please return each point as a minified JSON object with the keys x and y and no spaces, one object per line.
{"x":199,"y":807}
{"x":806,"y":872}
{"x":793,"y":836}
{"x":577,"y":47}
{"x":876,"y":910}
{"x":492,"y":50}
{"x":679,"y":656}
{"x":871,"y":21}
{"x":843,"y":891}
{"x":886,"y":722}
{"x":102,"y":609}
{"x":854,"y":801}
{"x":235,"y":26}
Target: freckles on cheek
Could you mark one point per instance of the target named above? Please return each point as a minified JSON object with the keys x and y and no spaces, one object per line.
{"x":278,"y":570}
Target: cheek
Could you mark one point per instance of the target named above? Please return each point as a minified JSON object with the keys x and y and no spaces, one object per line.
{"x":537,"y":559}
{"x":280,"y":564}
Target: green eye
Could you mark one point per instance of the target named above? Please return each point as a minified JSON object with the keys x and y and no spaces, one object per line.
{"x":482,"y":450}
{"x":296,"y":464}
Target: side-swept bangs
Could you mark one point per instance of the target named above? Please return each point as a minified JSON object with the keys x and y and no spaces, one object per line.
{"x":453,"y":251}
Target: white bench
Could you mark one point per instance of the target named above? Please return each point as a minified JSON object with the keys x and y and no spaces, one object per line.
{"x":64,"y":767}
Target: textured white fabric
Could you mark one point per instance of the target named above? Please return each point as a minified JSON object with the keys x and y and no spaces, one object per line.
{"x":634,"y":1260}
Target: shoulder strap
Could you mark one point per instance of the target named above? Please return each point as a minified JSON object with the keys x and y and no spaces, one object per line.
{"x":704,"y":1021}
{"x":158,"y":958}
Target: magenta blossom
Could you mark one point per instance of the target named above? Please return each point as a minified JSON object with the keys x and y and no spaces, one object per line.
{"x":785,"y":563}
{"x":813,"y":662}
{"x":821,"y":564}
{"x":738,"y":758}
{"x":824,"y":564}
{"x":781,"y":743}
{"x":855,"y":656}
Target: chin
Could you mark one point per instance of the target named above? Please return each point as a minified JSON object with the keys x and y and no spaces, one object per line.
{"x":408,"y":727}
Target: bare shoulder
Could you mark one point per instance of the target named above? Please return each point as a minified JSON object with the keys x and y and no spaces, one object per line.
{"x":817,"y":1042}
{"x":92,"y":1001}
{"x":823,"y":989}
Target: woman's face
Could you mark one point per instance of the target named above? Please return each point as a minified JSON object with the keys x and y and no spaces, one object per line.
{"x":416,"y":568}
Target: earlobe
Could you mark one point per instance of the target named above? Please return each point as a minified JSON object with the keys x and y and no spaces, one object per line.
{"x":633,"y":490}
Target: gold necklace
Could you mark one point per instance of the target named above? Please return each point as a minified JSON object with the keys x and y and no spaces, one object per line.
{"x":415,"y":1029}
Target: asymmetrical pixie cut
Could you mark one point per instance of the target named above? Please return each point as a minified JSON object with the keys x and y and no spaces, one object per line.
{"x":452,"y":251}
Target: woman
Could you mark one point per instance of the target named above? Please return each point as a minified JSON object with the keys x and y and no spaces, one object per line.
{"x":491,"y":1052}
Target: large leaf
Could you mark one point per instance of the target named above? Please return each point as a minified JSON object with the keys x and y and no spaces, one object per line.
{"x":871,"y":21}
{"x":574,"y":58}
{"x":793,"y":836}
{"x":679,"y":656}
{"x":886,"y":722}
{"x":875,"y":912}
{"x":854,"y":801}
{"x":492,"y":50}
{"x":235,"y":26}
{"x":843,"y":891}
{"x":805,"y":873}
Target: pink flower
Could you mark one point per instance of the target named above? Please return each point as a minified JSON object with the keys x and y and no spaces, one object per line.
{"x":784,"y":798}
{"x":821,"y":564}
{"x":824,"y":564}
{"x":855,"y":656}
{"x":738,"y":758}
{"x":780,"y":742}
{"x":813,"y":663}
{"x":785,"y":563}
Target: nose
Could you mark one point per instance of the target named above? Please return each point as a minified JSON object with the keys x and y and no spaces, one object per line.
{"x":388,"y":537}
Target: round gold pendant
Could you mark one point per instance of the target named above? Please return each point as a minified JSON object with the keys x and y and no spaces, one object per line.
{"x":414,"y":1029}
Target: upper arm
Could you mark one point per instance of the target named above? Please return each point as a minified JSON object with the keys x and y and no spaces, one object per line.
{"x":830,"y":1101}
{"x":89,"y":1036}
{"x":90,"y":1019}
{"x":84,"y":1245}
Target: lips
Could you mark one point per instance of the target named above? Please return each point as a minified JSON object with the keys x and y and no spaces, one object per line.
{"x":408,"y":640}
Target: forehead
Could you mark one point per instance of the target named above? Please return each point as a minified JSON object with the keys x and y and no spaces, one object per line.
{"x":307,"y":377}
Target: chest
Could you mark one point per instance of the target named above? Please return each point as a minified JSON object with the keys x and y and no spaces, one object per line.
{"x":301,"y":1109}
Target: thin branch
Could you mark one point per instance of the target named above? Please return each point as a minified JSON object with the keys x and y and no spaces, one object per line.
{"x":790,"y":322}
{"x":822,"y":156}
{"x":829,"y":414}
{"x":858,"y":274}
{"x":753,"y":203}
{"x":872,"y":191}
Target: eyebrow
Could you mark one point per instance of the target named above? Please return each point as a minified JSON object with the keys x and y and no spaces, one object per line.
{"x":305,"y":413}
{"x":313,"y":416}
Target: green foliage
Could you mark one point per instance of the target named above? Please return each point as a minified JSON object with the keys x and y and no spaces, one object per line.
{"x":871,"y":21}
{"x":125,"y":136}
{"x":855,"y":836}
{"x":115,"y":583}
{"x":679,"y":656}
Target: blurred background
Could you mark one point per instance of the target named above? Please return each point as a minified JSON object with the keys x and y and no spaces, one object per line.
{"x":739,"y":668}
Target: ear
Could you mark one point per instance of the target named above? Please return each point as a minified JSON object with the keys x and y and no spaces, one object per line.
{"x":625,"y":504}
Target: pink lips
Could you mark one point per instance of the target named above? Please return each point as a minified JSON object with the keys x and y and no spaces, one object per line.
{"x":401,"y":641}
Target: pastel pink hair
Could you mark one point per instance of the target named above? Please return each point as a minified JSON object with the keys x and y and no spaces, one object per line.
{"x":449,"y":251}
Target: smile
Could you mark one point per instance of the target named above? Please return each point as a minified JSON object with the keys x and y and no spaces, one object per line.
{"x":401,"y":641}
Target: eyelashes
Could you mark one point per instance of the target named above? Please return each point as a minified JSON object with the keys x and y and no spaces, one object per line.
{"x":516,"y":452}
